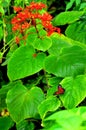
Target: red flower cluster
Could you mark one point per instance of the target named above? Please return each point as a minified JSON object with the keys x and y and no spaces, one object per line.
{"x":25,"y":18}
{"x":36,"y":6}
{"x":46,"y":22}
{"x":17,"y":9}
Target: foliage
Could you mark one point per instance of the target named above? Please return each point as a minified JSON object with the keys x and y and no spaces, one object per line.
{"x":43,"y":67}
{"x":79,"y":4}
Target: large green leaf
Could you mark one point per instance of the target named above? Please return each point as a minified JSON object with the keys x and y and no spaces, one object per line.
{"x":66,"y":120}
{"x":79,"y":31}
{"x":23,"y":103}
{"x":5,"y":123}
{"x":67,"y":17}
{"x":75,"y":91}
{"x":72,"y":61}
{"x":59,"y":42}
{"x":23,"y":63}
{"x":50,"y":104}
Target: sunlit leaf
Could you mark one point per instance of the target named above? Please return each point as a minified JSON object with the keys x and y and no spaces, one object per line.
{"x":66,"y":119}
{"x":23,"y":103}
{"x":42,"y":44}
{"x":50,"y":104}
{"x":79,"y":31}
{"x":72,"y":61}
{"x":67,"y":17}
{"x":23,"y":63}
{"x":75,"y":91}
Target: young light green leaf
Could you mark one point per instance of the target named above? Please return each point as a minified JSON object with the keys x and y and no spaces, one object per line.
{"x":50,"y":104}
{"x":42,"y":44}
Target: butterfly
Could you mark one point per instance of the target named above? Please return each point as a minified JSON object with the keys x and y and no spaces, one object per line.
{"x":60,"y":90}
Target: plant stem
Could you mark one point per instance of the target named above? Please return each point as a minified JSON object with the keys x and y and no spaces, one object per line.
{"x":4,"y":35}
{"x":46,"y":79}
{"x":9,"y":43}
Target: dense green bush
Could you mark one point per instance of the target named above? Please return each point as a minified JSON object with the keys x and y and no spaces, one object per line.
{"x":43,"y":65}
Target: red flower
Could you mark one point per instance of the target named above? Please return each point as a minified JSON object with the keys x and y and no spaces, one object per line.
{"x":22,"y":16}
{"x":36,"y":6}
{"x":60,"y":90}
{"x":16,"y":27}
{"x":17,"y":40}
{"x":30,"y":16}
{"x":17,"y":9}
{"x":25,"y":25}
{"x":46,"y":17}
{"x":58,"y":30}
{"x":14,"y":20}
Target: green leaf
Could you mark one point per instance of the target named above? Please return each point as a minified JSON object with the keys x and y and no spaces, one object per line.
{"x":2,"y":10}
{"x":23,"y":63}
{"x":1,"y":32}
{"x":78,"y":2}
{"x":49,"y":104}
{"x":72,"y":61}
{"x":69,"y":4}
{"x":5,"y":3}
{"x":79,"y":31}
{"x":67,"y":17}
{"x":59,"y":42}
{"x":10,"y":35}
{"x":66,"y":119}
{"x":5,"y":123}
{"x":42,"y":33}
{"x":25,"y":125}
{"x":75,"y":91}
{"x":53,"y":82}
{"x":32,"y":35}
{"x":1,"y":55}
{"x":82,"y":5}
{"x":42,"y":44}
{"x":23,"y":103}
{"x":3,"y":93}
